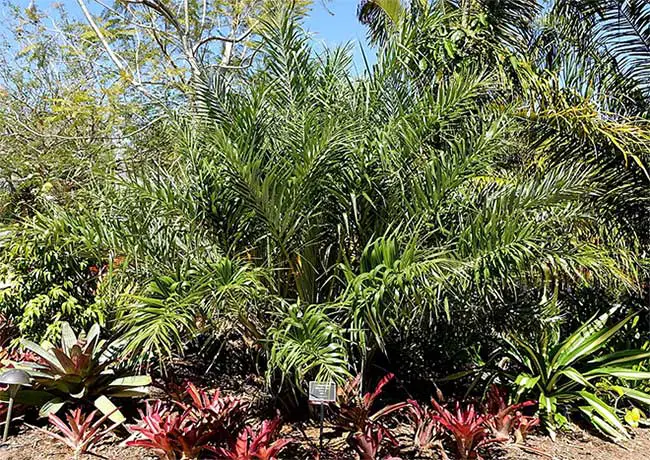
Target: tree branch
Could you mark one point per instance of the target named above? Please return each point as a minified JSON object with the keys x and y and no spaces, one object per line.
{"x":116,"y":60}
{"x":231,"y":40}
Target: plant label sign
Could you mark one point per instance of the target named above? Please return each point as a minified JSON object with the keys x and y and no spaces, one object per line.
{"x":322,"y":392}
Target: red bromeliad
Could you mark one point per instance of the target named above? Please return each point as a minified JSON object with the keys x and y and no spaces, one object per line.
{"x":523,"y":426}
{"x":225,"y":411}
{"x":260,"y":444}
{"x":504,"y":419}
{"x":367,"y":444}
{"x":169,"y":433}
{"x":81,"y":432}
{"x":354,"y":409}
{"x":367,"y":431}
{"x":205,"y":422}
{"x":467,"y":427}
{"x":426,"y":429}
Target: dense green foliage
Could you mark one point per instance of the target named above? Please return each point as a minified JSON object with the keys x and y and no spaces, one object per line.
{"x":486,"y":175}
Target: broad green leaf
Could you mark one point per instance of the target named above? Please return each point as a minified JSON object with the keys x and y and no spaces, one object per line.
{"x":588,"y":345}
{"x":621,"y":357}
{"x":633,"y":394}
{"x":68,"y":337}
{"x":607,"y":428}
{"x":133,"y":381}
{"x":605,"y":411}
{"x":392,"y":8}
{"x":526,"y":381}
{"x":576,"y":377}
{"x":137,"y":392}
{"x":106,"y":407}
{"x":547,"y":403}
{"x":29,"y":397}
{"x":92,"y":338}
{"x":51,"y":407}
{"x":539,"y":366}
{"x":49,"y":357}
{"x":578,"y":338}
{"x":621,"y":373}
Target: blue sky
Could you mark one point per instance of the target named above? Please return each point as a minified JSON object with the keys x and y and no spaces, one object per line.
{"x":336,"y":23}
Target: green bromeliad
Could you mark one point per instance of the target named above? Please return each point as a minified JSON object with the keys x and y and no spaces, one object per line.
{"x":83,"y":369}
{"x":563,"y":374}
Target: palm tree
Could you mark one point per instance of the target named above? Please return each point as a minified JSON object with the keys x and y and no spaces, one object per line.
{"x":612,"y":35}
{"x":377,"y":203}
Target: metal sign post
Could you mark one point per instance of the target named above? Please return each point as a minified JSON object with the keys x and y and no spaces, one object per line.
{"x":322,"y":393}
{"x":320,"y":433}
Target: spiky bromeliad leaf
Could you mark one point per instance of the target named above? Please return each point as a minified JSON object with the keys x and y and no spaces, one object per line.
{"x":567,"y":371}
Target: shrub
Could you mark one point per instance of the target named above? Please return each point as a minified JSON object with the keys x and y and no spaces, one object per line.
{"x":43,"y":281}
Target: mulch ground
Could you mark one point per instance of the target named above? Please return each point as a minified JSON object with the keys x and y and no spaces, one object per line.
{"x":581,"y":445}
{"x":31,"y":444}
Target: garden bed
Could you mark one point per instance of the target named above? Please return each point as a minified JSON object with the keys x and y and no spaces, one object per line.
{"x":32,"y":444}
{"x":28,"y":442}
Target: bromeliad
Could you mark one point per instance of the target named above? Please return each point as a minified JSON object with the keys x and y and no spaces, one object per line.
{"x":355,"y":415}
{"x":564,"y":374}
{"x":190,"y":429}
{"x":82,"y":369}
{"x":505,"y":419}
{"x":81,"y":432}
{"x":259,"y":444}
{"x":467,"y":427}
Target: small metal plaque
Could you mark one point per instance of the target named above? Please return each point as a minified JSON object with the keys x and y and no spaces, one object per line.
{"x":322,"y":392}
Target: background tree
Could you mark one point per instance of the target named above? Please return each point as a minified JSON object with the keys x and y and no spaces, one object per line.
{"x":153,"y":42}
